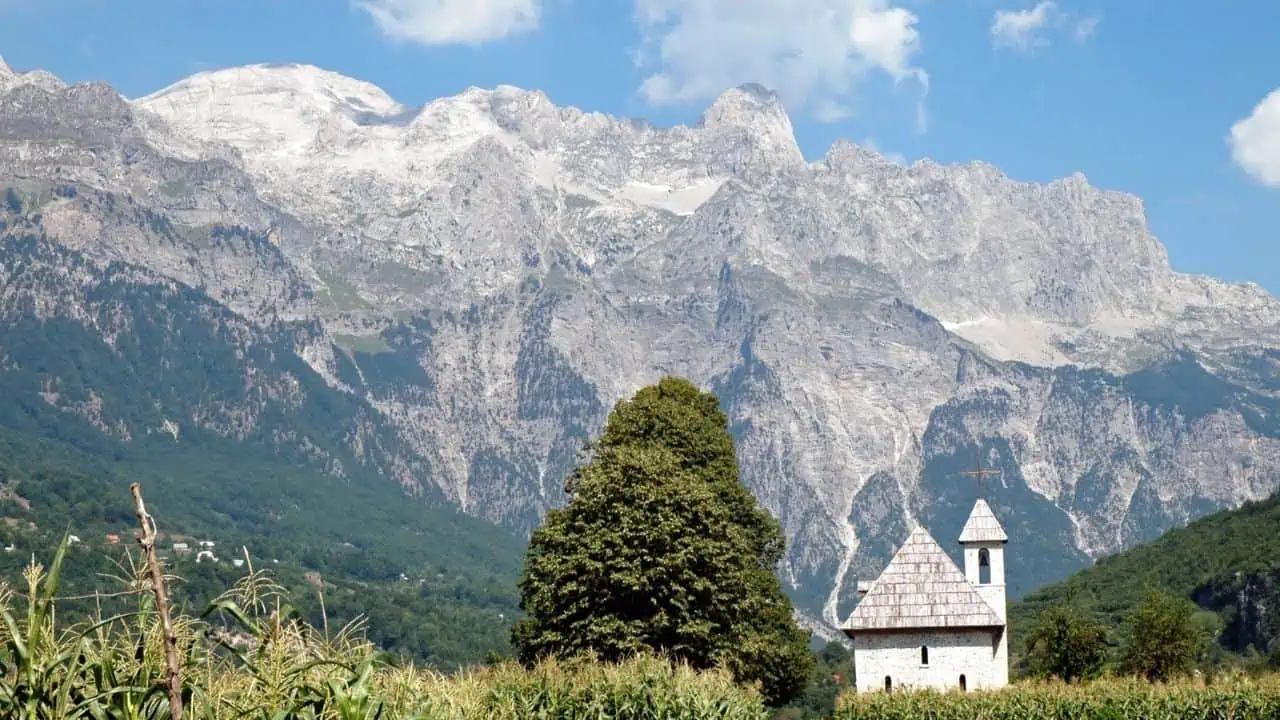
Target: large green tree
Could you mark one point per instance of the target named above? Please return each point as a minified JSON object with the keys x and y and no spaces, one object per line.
{"x":1163,"y":639}
{"x":1066,"y":643}
{"x":662,"y":548}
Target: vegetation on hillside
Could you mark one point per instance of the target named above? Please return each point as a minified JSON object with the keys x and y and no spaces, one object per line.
{"x":1227,"y":563}
{"x":1164,"y":637}
{"x":455,"y":605}
{"x":661,"y":548}
{"x":239,"y":442}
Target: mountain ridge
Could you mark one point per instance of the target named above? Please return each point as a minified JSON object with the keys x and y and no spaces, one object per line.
{"x":476,"y":114}
{"x":543,"y":262}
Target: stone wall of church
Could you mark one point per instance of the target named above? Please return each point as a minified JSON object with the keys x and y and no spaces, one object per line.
{"x":973,"y":654}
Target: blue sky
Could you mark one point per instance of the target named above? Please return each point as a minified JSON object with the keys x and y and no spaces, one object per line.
{"x":1139,"y":95}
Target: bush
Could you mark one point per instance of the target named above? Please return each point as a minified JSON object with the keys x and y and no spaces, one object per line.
{"x":1125,"y":699}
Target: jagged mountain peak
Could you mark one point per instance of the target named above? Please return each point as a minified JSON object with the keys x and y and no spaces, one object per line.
{"x":272,"y":109}
{"x":330,"y":148}
{"x":301,"y":83}
{"x":759,"y":112}
{"x":749,"y":98}
{"x":847,"y":156}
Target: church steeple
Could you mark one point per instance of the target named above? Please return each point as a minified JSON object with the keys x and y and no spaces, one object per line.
{"x":984,"y":543}
{"x":983,"y":540}
{"x":982,"y":526}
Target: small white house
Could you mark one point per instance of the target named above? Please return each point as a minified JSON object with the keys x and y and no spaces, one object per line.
{"x":924,"y":623}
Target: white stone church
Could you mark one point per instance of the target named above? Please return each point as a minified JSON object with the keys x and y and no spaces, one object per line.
{"x":924,"y":623}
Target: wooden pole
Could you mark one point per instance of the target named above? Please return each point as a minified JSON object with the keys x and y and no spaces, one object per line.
{"x":173,"y":670}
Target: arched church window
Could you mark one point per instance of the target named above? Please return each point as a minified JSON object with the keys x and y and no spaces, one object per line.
{"x":963,"y":685}
{"x":888,"y":684}
{"x":924,"y":654}
{"x":984,"y":567}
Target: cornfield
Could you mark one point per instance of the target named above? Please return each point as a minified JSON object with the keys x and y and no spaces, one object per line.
{"x":249,"y":656}
{"x":1230,"y":698}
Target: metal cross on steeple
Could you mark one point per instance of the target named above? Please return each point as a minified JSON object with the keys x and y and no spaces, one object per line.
{"x":982,"y":473}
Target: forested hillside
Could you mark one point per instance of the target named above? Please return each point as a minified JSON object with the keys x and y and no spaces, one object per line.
{"x":1227,"y":563}
{"x":110,"y":376}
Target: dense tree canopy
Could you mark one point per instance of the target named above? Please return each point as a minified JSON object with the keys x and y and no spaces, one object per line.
{"x":661,"y":547}
{"x":1227,"y":563}
{"x":1066,"y":643}
{"x":1162,"y":639}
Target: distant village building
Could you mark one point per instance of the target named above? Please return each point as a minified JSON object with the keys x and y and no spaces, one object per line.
{"x":206,"y":544}
{"x":73,"y":539}
{"x":181,"y":548}
{"x":925,"y":624}
{"x":206,"y":555}
{"x":113,"y":539}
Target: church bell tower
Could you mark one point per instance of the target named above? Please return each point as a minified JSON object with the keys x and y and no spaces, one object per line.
{"x":984,"y":543}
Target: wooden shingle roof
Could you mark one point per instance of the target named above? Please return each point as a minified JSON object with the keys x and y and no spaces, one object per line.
{"x":982,"y":525}
{"x":921,"y":589}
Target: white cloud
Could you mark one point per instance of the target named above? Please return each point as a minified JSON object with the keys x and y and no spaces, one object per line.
{"x":452,"y":22}
{"x":814,"y":53}
{"x":1026,"y":29}
{"x":1255,"y":141}
{"x":1021,"y":29}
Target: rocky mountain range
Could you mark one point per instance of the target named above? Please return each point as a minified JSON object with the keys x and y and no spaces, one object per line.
{"x":490,"y":272}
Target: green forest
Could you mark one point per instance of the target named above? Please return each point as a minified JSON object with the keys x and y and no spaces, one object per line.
{"x":1227,"y":563}
{"x":453,"y":608}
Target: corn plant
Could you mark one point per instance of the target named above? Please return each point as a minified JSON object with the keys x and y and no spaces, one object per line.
{"x":1112,"y":699}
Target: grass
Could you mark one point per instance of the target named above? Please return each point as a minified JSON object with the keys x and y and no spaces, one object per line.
{"x":249,"y":656}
